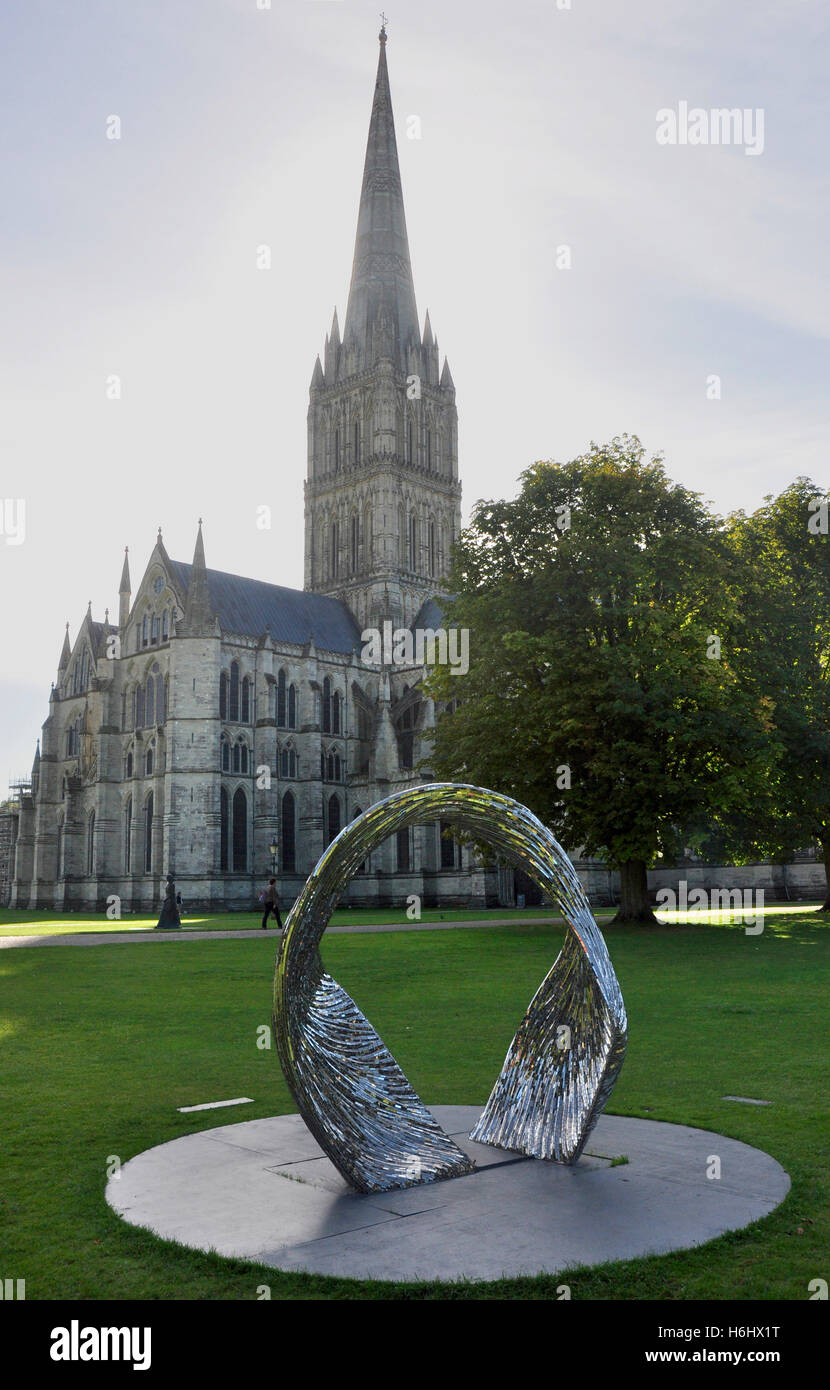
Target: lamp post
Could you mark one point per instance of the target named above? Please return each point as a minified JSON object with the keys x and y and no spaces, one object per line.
{"x":273,"y":849}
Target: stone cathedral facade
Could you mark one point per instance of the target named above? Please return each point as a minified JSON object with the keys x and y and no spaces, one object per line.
{"x":222,"y":715}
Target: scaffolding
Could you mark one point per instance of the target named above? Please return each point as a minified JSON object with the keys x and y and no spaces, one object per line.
{"x":18,"y":788}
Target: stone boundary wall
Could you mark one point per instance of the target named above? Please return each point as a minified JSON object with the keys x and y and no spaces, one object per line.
{"x":793,"y":882}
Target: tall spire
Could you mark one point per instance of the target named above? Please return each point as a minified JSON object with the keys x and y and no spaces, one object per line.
{"x":66,"y":651}
{"x":124,"y":586}
{"x":198,"y":617}
{"x":382,"y":284}
{"x":124,"y":591}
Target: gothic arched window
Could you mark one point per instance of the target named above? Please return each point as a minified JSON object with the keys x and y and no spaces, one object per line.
{"x":447,"y":845}
{"x":59,"y":860}
{"x":333,"y":817}
{"x":326,"y":706}
{"x":292,"y":707}
{"x":148,"y":834}
{"x":223,"y":695}
{"x":330,"y":767}
{"x":150,"y":702}
{"x":281,"y":699}
{"x":160,"y":700}
{"x":246,"y":700}
{"x":139,"y":707}
{"x":405,"y":729}
{"x":129,"y":764}
{"x":165,"y":625}
{"x":233,"y":712}
{"x":413,"y":542}
{"x":292,"y":763}
{"x":336,"y":451}
{"x":243,"y":757}
{"x":223,"y":830}
{"x":432,"y":549}
{"x":128,"y":833}
{"x":322,"y":767}
{"x":226,"y":755}
{"x":240,"y":831}
{"x":90,"y":844}
{"x":148,"y":761}
{"x":337,"y":767}
{"x":288,"y":833}
{"x":334,"y":544}
{"x":154,"y":628}
{"x":402,"y":841}
{"x":236,"y":757}
{"x":354,"y":543}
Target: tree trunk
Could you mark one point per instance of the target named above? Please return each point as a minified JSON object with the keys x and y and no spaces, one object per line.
{"x":825,"y":845}
{"x":634,"y":905}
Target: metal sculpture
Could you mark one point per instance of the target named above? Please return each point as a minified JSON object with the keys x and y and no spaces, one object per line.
{"x":562,"y":1063}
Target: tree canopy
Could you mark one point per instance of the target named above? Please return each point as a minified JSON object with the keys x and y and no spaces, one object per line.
{"x":784,"y":656}
{"x":600,"y":692}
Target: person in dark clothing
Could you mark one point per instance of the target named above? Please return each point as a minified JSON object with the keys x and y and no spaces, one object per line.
{"x":271,"y":905}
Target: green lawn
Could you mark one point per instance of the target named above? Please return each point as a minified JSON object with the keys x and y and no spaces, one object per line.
{"x":100,"y":1046}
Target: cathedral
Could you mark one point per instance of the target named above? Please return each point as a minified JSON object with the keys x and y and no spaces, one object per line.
{"x":224,"y":727}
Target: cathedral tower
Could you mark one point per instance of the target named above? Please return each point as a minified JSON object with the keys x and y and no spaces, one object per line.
{"x":382,"y":496}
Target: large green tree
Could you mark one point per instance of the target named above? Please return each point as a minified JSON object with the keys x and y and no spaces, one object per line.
{"x":598,"y":693}
{"x":784,"y":655}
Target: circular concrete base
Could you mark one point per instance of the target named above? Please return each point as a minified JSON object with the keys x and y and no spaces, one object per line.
{"x":264,"y":1191}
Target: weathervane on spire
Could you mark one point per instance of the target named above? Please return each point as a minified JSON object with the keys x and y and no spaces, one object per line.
{"x":383,"y":23}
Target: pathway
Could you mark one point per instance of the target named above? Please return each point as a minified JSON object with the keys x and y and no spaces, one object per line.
{"x":142,"y":934}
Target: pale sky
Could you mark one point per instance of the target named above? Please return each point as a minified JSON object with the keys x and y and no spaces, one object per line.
{"x":243,"y":126}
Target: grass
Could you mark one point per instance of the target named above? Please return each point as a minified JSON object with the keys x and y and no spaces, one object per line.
{"x":100,"y":1047}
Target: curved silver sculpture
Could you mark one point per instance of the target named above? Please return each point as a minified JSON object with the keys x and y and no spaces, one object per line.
{"x":560,"y":1068}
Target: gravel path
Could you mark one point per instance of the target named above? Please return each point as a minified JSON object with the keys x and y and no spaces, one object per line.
{"x":142,"y":934}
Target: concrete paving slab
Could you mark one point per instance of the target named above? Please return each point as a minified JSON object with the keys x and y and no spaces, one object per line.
{"x":264,"y":1191}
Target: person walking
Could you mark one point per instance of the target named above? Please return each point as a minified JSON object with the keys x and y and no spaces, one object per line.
{"x":271,"y":904}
